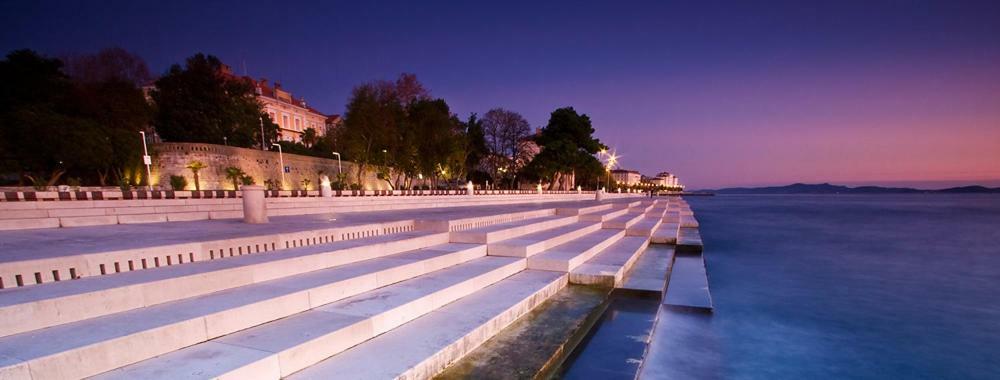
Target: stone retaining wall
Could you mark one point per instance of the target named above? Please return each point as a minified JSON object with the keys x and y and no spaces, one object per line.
{"x":172,"y":159}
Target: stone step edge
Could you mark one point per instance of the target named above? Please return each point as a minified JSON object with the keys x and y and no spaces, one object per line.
{"x":223,"y":275}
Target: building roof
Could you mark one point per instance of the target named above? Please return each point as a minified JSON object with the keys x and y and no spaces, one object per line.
{"x":625,"y":171}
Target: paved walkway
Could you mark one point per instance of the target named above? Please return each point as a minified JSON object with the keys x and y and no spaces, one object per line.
{"x":44,"y":243}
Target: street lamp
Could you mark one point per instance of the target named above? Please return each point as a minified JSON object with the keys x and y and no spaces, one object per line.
{"x":281,"y":161}
{"x":147,"y":160}
{"x":339,"y":169}
{"x":261,"y":118}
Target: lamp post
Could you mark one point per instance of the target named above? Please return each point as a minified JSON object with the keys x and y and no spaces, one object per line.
{"x":261,"y":118}
{"x":147,"y":160}
{"x":281,"y":161}
{"x":339,"y":170}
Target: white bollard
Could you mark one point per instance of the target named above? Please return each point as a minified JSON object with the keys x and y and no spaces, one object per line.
{"x":539,"y":189}
{"x":325,"y":190}
{"x":470,"y":189}
{"x":254,"y":207}
{"x":599,"y":195}
{"x":579,"y":190}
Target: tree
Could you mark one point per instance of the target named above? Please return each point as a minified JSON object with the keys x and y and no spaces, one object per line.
{"x":504,"y":133}
{"x":108,"y":65}
{"x":371,"y":124}
{"x":475,"y":148}
{"x":52,"y":124}
{"x":440,"y":146}
{"x":195,"y":167}
{"x":236,"y":175}
{"x":203,"y":102}
{"x":567,"y":145}
{"x":309,"y":137}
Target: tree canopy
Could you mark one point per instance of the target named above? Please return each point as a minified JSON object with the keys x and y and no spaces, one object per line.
{"x":567,"y":145}
{"x":203,"y":102}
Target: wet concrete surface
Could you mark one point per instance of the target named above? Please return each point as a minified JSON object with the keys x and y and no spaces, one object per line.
{"x":615,"y":347}
{"x":533,"y":346}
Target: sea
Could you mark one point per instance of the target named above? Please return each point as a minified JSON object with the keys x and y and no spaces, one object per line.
{"x":844,"y":287}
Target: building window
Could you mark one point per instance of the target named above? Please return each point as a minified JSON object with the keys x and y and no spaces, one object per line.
{"x":284,"y":121}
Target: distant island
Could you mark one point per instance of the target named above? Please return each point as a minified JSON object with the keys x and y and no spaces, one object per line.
{"x":826,"y":188}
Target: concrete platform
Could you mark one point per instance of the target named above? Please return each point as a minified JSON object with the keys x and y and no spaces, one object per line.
{"x":645,"y":226}
{"x":648,"y":276}
{"x":423,"y":347}
{"x":666,"y":233}
{"x":688,"y":287}
{"x":625,"y":221}
{"x":689,"y":239}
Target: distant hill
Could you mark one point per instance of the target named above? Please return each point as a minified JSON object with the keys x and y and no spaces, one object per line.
{"x":826,"y":188}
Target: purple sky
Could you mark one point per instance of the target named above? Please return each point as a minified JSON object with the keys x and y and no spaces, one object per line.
{"x":722,"y":94}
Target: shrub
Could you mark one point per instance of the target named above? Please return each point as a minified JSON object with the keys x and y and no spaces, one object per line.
{"x":247,"y":180}
{"x":178,"y":182}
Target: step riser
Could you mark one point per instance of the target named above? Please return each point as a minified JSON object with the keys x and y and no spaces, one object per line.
{"x":645,"y":231}
{"x":582,"y":211}
{"x":666,"y":234}
{"x":201,"y":329}
{"x":529,"y":250}
{"x":569,"y":265}
{"x":55,"y":311}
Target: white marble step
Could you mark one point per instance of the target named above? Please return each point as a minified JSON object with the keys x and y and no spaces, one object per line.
{"x":34,"y":307}
{"x":690,"y":238}
{"x":666,"y":233}
{"x":624,"y":221}
{"x":608,"y":267}
{"x":671,"y":217}
{"x":503,"y":231}
{"x":688,"y":221}
{"x":566,"y":257}
{"x":422,"y":348}
{"x":583,"y":210}
{"x":101,"y":344}
{"x":530,"y":244}
{"x":603,"y":215}
{"x":279,"y":348}
{"x":644,"y":227}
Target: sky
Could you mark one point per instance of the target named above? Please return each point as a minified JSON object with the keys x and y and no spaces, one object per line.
{"x":742,"y":93}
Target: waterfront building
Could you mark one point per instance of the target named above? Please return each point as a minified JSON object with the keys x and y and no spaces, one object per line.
{"x":292,"y":115}
{"x":626,"y":177}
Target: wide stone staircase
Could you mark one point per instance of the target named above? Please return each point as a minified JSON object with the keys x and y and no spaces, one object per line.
{"x":402,"y":303}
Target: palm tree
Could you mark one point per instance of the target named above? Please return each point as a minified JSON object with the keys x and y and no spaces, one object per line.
{"x":309,"y":137}
{"x":195,"y":166}
{"x":235,"y":174}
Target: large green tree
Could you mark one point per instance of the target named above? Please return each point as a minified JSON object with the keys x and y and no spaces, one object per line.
{"x":371,"y":125}
{"x":53,"y":125}
{"x":475,"y":149}
{"x":440,"y":143}
{"x":203,"y":102}
{"x":567,"y":145}
{"x":505,"y":133}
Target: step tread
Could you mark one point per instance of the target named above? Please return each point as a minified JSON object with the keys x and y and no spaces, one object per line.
{"x":54,"y":340}
{"x":19,"y":295}
{"x":542,"y":236}
{"x":352,"y":315}
{"x":433,"y":333}
{"x":576,"y":247}
{"x":514,"y":224}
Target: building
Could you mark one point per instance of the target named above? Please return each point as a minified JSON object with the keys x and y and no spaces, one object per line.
{"x":668,"y":180}
{"x":293,"y":116}
{"x":626,"y":177}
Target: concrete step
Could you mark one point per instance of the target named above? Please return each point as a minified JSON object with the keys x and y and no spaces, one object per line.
{"x":504,"y":231}
{"x":566,"y":257}
{"x":671,"y":217}
{"x":101,"y":344}
{"x":688,"y":221}
{"x":583,"y":210}
{"x":666,"y":233}
{"x":624,"y":221}
{"x":644,"y":227}
{"x":530,"y":244}
{"x":689,"y":239}
{"x":279,"y":348}
{"x":34,"y":307}
{"x":422,"y":348}
{"x":608,"y":267}
{"x":603,"y":215}
{"x":648,"y":275}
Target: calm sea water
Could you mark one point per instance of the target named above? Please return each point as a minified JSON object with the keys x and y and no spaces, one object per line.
{"x":863,"y":287}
